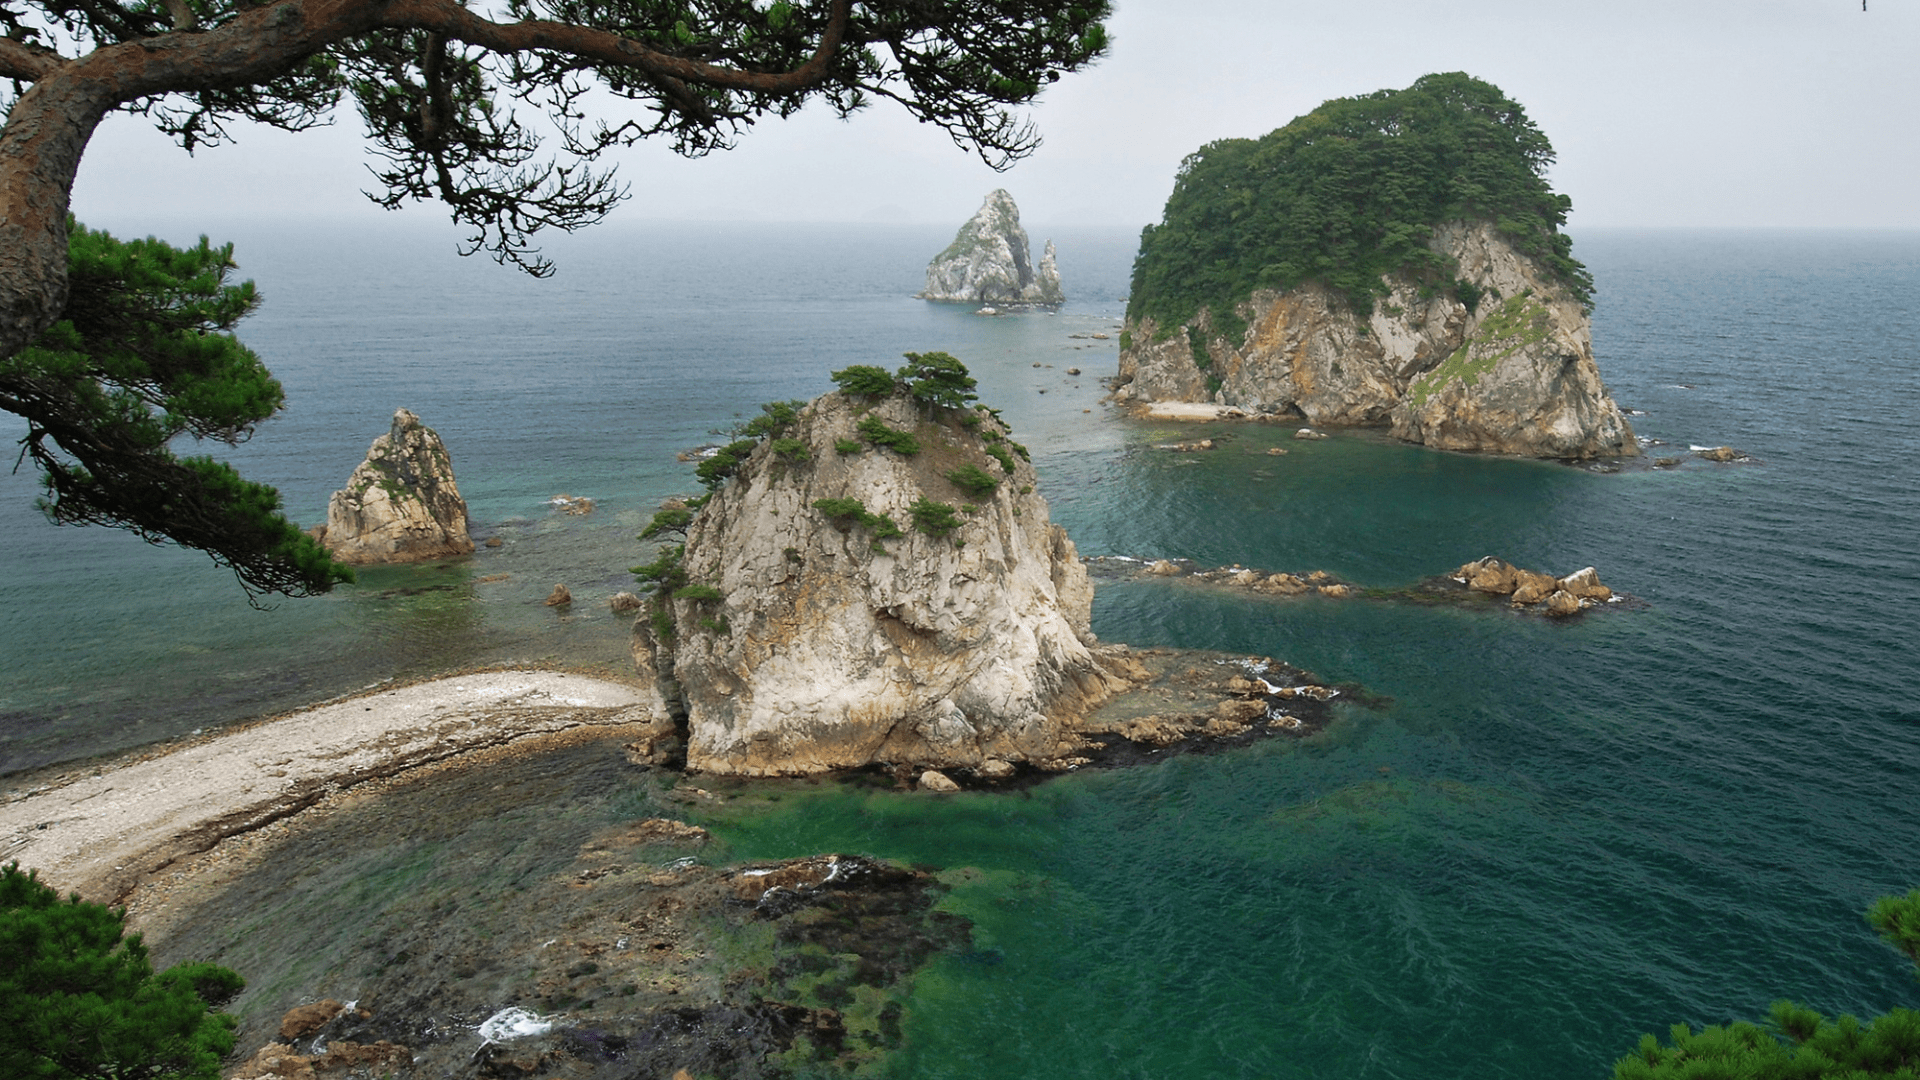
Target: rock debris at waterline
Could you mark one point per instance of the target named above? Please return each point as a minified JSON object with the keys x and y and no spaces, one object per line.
{"x":1514,"y":374}
{"x":400,"y":504}
{"x":1525,"y":590}
{"x":989,"y":262}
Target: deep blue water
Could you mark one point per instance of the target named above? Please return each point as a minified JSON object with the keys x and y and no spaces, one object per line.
{"x":1557,"y":837}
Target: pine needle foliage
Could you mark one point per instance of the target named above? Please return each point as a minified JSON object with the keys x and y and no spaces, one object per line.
{"x":79,"y":999}
{"x":875,"y":431}
{"x":973,"y":480}
{"x":936,"y":519}
{"x":144,"y":354}
{"x":1797,"y":1043}
{"x":864,"y":380}
{"x":1347,"y":193}
{"x":937,"y":380}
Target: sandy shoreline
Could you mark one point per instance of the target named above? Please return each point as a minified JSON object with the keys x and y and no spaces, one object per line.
{"x":100,"y":835}
{"x":1191,"y":410}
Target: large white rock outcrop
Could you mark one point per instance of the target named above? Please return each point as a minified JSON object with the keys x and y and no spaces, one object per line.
{"x":1514,"y":375}
{"x":400,"y":504}
{"x":989,"y":262}
{"x":810,"y":642}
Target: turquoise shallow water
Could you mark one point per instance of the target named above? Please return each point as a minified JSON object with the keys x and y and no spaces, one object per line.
{"x":1556,"y":837}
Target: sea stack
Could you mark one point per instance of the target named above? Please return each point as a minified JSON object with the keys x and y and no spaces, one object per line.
{"x":401,"y":504}
{"x":1463,"y":325}
{"x":990,"y":262}
{"x":879,"y":582}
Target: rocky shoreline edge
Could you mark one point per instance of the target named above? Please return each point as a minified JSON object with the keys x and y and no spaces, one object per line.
{"x":173,"y":835}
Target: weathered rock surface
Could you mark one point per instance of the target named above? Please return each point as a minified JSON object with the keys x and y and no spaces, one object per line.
{"x":1527,"y":588}
{"x":833,"y":646}
{"x":401,"y":504}
{"x":989,"y":262}
{"x":1514,"y":375}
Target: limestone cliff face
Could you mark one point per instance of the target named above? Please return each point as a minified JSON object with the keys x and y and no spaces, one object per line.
{"x":400,"y":504}
{"x":831,"y":647}
{"x":989,"y":262}
{"x":1515,"y":375}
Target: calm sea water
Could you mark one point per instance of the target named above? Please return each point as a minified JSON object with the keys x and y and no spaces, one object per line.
{"x":1557,"y":837}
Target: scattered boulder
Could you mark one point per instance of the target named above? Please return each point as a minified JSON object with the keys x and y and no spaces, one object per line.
{"x":624,"y":603}
{"x":303,"y":1020}
{"x":1275,"y":451}
{"x":561,"y":596}
{"x":1336,"y":591}
{"x":1667,"y":462}
{"x":995,"y":769}
{"x":1163,"y":568}
{"x":1721,"y":454}
{"x":494,"y":542}
{"x":937,"y":781}
{"x":1585,"y":584}
{"x":1242,"y":713}
{"x":664,"y":831}
{"x":1563,"y":603}
{"x":1074,"y":370}
{"x":401,"y":504}
{"x":1491,"y":575}
{"x":989,"y":262}
{"x":277,"y":1061}
{"x":1309,"y":433}
{"x":1531,"y":586}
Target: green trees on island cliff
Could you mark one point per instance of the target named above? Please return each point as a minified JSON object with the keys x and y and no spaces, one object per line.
{"x":1349,"y":192}
{"x":455,"y":100}
{"x":1798,"y":1043}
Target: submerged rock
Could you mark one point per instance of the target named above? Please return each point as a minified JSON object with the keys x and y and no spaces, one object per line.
{"x":850,"y":607}
{"x":937,"y":781}
{"x":401,"y":504}
{"x":989,"y":262}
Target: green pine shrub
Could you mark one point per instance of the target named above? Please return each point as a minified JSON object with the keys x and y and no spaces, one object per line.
{"x":876,"y":432}
{"x":972,"y":480}
{"x":936,"y":519}
{"x":82,"y":1001}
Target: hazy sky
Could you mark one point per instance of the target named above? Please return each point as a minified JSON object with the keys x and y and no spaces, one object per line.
{"x":1664,"y":113}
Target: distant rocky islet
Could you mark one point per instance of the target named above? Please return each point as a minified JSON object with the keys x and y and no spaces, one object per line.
{"x":990,"y":262}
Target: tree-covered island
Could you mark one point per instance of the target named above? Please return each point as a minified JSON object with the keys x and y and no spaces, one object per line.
{"x":1394,"y":258}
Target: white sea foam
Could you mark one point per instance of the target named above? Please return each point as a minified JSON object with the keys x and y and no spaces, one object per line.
{"x":513,"y":1023}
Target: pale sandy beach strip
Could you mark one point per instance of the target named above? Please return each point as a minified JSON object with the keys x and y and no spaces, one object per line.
{"x":1192,"y":410}
{"x":99,"y":835}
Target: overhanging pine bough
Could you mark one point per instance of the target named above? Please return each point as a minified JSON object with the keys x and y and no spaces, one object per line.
{"x":438,"y":86}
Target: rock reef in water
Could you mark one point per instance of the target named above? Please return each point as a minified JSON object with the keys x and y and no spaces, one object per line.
{"x":989,"y":262}
{"x":1514,"y":374}
{"x":401,"y":504}
{"x":831,"y":620}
